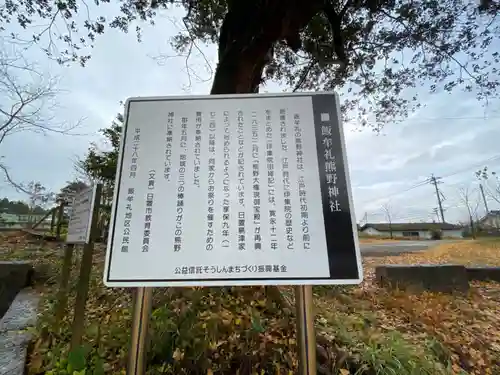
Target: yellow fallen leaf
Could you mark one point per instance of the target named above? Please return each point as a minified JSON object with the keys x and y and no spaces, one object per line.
{"x":36,"y":363}
{"x":456,"y":368}
{"x":178,"y":355}
{"x":344,"y":371}
{"x":210,"y":372}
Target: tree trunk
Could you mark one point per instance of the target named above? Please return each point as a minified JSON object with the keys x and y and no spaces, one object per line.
{"x":248,"y":34}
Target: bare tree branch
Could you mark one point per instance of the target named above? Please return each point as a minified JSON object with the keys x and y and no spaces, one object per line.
{"x":28,"y":103}
{"x":388,"y":215}
{"x":19,"y":187}
{"x":466,"y":196}
{"x":28,"y":99}
{"x":491,"y":183}
{"x":187,"y":33}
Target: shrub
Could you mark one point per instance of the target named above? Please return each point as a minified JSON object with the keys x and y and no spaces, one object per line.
{"x":436,"y":234}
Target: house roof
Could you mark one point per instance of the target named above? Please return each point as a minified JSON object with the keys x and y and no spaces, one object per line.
{"x":386,"y":227}
{"x":492,"y":213}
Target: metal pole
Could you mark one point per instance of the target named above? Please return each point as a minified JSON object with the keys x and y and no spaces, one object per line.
{"x":306,"y":335}
{"x":141,"y":311}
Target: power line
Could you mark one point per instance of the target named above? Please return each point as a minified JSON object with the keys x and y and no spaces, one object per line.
{"x":422,"y":183}
{"x":475,"y":165}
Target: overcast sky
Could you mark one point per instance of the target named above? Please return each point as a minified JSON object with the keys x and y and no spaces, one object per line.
{"x":452,"y":135}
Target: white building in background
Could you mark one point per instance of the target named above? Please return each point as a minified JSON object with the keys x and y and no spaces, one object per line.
{"x":15,"y":221}
{"x":491,"y":220}
{"x":415,"y":230}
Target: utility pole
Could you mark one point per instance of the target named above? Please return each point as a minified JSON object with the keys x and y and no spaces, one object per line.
{"x":435,"y":181}
{"x":484,"y":198}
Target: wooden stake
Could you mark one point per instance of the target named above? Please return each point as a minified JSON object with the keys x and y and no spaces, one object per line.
{"x":60,"y":214}
{"x":53,"y":220}
{"x":143,"y":300}
{"x":62,"y":294}
{"x":85,"y":270}
{"x":306,"y":336}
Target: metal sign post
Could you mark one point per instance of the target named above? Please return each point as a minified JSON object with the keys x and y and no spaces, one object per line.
{"x":223,"y":190}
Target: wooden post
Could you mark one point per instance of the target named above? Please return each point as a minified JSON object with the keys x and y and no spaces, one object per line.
{"x":41,"y":220}
{"x":53,"y":220}
{"x":306,"y":336}
{"x":62,"y":294}
{"x":60,"y":214}
{"x":85,"y":270}
{"x":143,"y":299}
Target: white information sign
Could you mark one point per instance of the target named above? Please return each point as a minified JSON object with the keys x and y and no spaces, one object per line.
{"x":233,"y":190}
{"x":81,"y":216}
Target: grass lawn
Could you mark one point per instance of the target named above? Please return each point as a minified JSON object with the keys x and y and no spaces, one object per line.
{"x":361,"y":330}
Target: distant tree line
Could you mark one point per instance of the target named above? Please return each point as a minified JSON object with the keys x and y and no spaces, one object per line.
{"x":98,"y":165}
{"x":19,"y":207}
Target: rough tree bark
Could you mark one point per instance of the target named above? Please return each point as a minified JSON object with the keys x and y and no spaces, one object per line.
{"x":249,"y":31}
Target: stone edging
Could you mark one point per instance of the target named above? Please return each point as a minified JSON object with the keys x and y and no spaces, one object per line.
{"x":14,"y":338}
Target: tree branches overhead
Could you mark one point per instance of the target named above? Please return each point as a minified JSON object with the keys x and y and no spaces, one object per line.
{"x":27,"y":102}
{"x":378,"y":52}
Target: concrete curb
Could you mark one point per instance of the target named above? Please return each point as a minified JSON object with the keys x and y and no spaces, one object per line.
{"x":14,"y":339}
{"x":446,"y":278}
{"x":484,"y":273}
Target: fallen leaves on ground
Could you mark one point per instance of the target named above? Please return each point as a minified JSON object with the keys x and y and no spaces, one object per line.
{"x":362,"y":329}
{"x":463,"y":330}
{"x":374,"y":240}
{"x":466,"y":252}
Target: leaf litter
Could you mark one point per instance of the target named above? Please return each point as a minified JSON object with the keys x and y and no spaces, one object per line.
{"x":462,"y":330}
{"x":361,"y":329}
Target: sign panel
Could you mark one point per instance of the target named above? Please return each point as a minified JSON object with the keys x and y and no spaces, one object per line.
{"x":233,"y":190}
{"x":81,"y":216}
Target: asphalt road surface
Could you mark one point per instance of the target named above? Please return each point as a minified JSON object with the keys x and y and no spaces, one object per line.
{"x":397,"y":247}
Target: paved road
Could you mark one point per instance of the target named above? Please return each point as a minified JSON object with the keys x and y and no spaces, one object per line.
{"x":397,"y":247}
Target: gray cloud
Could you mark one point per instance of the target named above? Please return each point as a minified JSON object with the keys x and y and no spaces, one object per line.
{"x":437,"y":139}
